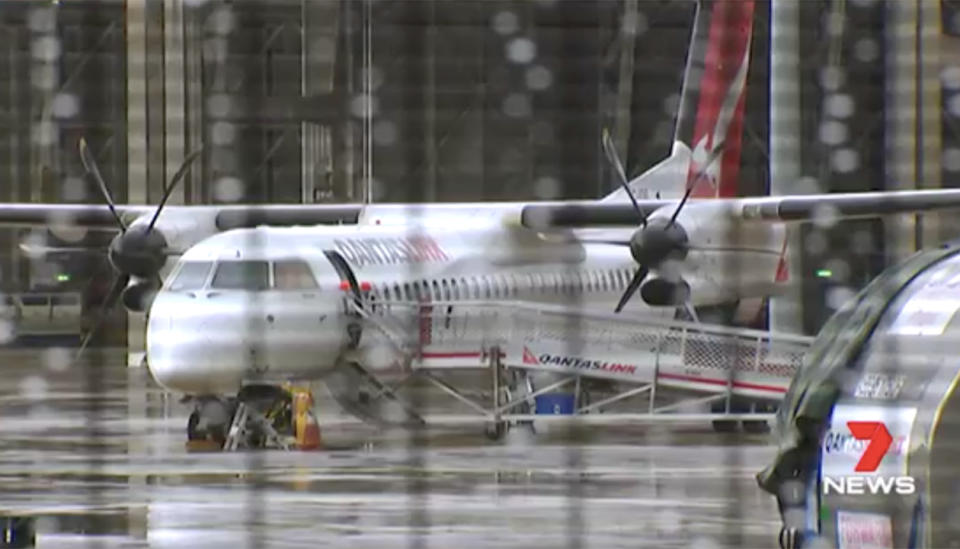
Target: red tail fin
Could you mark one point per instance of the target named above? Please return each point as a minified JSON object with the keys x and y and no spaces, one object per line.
{"x":719,"y":114}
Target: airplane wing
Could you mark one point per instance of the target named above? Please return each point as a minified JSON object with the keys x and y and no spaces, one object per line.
{"x":98,"y":216}
{"x":791,"y":208}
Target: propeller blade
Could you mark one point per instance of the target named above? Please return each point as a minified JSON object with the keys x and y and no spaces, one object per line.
{"x":173,"y":184}
{"x":611,"y":152}
{"x":108,"y":303}
{"x":714,"y":155}
{"x":632,"y":287}
{"x":90,"y":165}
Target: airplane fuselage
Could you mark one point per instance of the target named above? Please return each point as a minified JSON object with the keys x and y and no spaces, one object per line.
{"x":270,"y":304}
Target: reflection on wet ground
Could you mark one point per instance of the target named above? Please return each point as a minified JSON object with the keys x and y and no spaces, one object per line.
{"x":96,"y":453}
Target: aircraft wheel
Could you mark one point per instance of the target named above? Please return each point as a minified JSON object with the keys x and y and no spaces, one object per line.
{"x":192,"y":422}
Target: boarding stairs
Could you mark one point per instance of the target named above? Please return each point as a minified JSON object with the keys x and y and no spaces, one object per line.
{"x":564,"y":346}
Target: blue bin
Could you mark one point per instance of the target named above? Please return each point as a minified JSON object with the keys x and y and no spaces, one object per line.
{"x":554,"y":404}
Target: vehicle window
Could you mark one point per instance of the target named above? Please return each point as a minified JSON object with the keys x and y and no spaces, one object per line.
{"x":241,"y":275}
{"x":192,"y":275}
{"x":69,"y":299}
{"x":33,"y":300}
{"x":293,"y":275}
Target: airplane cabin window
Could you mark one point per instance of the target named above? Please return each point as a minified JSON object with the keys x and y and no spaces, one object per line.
{"x":192,"y":276}
{"x":241,"y":275}
{"x":293,"y":275}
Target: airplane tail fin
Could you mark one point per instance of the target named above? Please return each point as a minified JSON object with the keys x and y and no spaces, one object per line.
{"x":711,"y":108}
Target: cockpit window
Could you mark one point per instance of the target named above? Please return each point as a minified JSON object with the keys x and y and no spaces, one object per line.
{"x":241,"y":275}
{"x":192,"y":275}
{"x":293,"y":275}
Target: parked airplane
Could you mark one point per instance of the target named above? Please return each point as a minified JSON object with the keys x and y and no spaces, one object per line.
{"x":692,"y":244}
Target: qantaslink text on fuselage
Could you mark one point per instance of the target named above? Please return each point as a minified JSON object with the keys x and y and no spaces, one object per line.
{"x":583,"y":364}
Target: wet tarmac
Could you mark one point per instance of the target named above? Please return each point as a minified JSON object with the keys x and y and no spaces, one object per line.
{"x":96,"y":453}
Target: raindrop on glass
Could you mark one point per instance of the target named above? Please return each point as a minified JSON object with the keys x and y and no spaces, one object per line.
{"x":505,"y":22}
{"x":839,"y":105}
{"x":845,"y":160}
{"x":521,"y":50}
{"x":951,"y":159}
{"x":539,"y":78}
{"x":634,"y":23}
{"x":64,"y":105}
{"x":546,"y":188}
{"x":517,"y":105}
{"x":223,"y":133}
{"x":384,"y":133}
{"x":832,"y":78}
{"x":45,"y":48}
{"x":228,"y":189}
{"x":833,"y":132}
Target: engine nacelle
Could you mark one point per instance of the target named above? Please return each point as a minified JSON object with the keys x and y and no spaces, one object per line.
{"x":139,"y":294}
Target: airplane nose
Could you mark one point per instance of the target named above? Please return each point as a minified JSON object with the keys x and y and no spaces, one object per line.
{"x":211,"y":342}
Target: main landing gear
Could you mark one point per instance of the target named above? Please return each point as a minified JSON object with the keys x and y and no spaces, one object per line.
{"x":261,"y":416}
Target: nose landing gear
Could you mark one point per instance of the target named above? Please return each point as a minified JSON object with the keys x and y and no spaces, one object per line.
{"x":260,"y":417}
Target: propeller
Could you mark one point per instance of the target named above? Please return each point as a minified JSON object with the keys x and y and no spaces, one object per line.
{"x":138,"y":252}
{"x":657,"y":240}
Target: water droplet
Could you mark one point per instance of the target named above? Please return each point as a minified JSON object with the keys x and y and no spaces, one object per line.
{"x":832,"y":78}
{"x":44,"y":133}
{"x":384,"y":133}
{"x":839,"y":105}
{"x":634,"y":23}
{"x":219,"y":105}
{"x":951,"y":159}
{"x":42,"y":20}
{"x":833,"y":23}
{"x":808,"y":185}
{"x":866,"y":50}
{"x":521,"y":50}
{"x":74,"y":189}
{"x":64,"y":105}
{"x":833,"y":132}
{"x":546,"y":188}
{"x":228,"y":189}
{"x":361,"y":107}
{"x":539,"y":78}
{"x":57,"y":359}
{"x":825,"y":216}
{"x":375,"y":75}
{"x":517,"y":105}
{"x":950,"y":77}
{"x":33,"y":388}
{"x":815,"y":243}
{"x":671,"y":104}
{"x":223,"y":133}
{"x":840,"y":269}
{"x":45,"y":48}
{"x":845,"y":160}
{"x":505,"y":22}
{"x":215,"y":49}
{"x":43,"y":76}
{"x":221,"y":21}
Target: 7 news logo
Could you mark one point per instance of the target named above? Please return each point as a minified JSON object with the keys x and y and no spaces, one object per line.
{"x":878,"y":444}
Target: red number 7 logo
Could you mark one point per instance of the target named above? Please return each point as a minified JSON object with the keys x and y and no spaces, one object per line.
{"x":880,"y":441}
